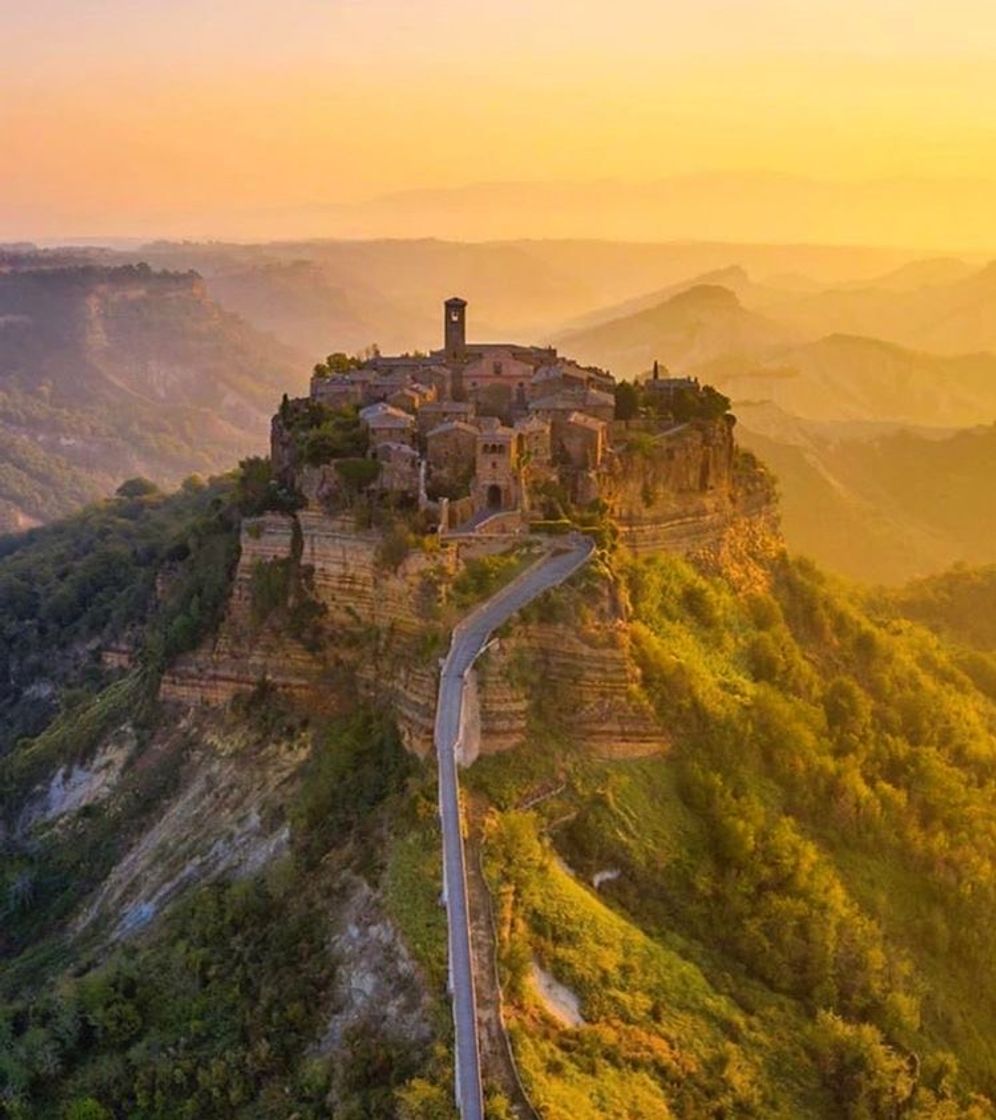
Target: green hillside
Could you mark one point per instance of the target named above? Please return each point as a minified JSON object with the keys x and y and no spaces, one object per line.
{"x":796,"y":897}
{"x":801,"y":899}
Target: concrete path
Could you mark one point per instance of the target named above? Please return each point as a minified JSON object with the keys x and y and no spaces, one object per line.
{"x":469,"y":639}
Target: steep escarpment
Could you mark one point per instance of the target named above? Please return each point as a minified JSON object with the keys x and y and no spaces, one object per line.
{"x":693,"y":492}
{"x":111,"y":372}
{"x":315,"y":603}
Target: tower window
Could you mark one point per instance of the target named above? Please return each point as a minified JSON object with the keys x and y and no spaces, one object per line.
{"x":496,"y":368}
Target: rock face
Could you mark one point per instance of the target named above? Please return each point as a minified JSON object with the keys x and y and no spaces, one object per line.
{"x":112,"y":372}
{"x":383,"y":632}
{"x":584,"y":681}
{"x":378,"y":617}
{"x":691,"y":491}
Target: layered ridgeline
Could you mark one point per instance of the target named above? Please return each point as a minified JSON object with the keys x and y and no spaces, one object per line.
{"x":879,"y":502}
{"x":873,"y":403}
{"x":110,"y":372}
{"x":735,"y":819}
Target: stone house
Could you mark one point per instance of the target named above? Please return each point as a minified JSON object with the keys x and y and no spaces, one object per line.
{"x":411,"y":397}
{"x":451,"y":448}
{"x":387,"y":424}
{"x":399,"y":468}
{"x":438,"y":412}
{"x":534,"y":439}
{"x":580,"y":440}
{"x":594,"y":402}
{"x":337,"y":392}
{"x":497,"y":377}
{"x":496,"y":469}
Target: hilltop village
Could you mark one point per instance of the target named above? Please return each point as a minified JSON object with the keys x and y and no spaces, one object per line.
{"x":475,"y":435}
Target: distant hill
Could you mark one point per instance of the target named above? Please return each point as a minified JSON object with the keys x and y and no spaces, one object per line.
{"x":525,"y":290}
{"x":111,"y":372}
{"x":691,"y":329}
{"x":843,"y":377}
{"x":877,"y":502}
{"x":941,"y":307}
{"x":298,"y":302}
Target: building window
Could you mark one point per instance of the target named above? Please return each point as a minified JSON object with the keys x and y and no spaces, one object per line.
{"x":496,"y":368}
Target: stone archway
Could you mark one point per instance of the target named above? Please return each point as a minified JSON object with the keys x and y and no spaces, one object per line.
{"x":494,"y":499}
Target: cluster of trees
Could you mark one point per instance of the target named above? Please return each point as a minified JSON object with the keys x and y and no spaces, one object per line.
{"x":339,"y":363}
{"x":322,"y":433}
{"x":633,"y":399}
{"x":91,"y":580}
{"x":821,"y":831}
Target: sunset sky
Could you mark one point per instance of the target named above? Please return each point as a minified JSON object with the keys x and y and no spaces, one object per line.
{"x":139,"y":117}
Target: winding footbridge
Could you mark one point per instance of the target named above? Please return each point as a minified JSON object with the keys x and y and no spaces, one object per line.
{"x":469,"y":640}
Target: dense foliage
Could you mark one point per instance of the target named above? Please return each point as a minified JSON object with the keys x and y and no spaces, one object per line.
{"x":818,"y":845}
{"x":220,"y":1013}
{"x":102,"y":577}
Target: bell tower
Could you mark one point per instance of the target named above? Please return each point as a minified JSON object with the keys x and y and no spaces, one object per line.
{"x":455,"y":327}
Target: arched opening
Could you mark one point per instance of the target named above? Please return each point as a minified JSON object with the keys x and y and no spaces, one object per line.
{"x":494,"y":496}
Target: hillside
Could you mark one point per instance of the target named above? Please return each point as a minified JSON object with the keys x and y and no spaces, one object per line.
{"x":687,"y":331}
{"x":945,"y":310}
{"x":112,"y":372}
{"x":737,"y":829}
{"x":875,"y":502}
{"x":847,"y":378}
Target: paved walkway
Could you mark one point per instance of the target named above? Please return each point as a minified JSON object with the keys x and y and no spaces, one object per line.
{"x":469,"y":639}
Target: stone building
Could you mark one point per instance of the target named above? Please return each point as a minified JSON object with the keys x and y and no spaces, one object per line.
{"x":387,"y":424}
{"x":337,"y":392}
{"x":399,"y":468}
{"x":534,"y":439}
{"x":593,"y":402}
{"x":410,"y":398}
{"x":580,"y":441}
{"x":438,"y":412}
{"x":496,"y":473}
{"x":451,"y":449}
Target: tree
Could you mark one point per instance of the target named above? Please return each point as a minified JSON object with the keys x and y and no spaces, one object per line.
{"x":627,"y":400}
{"x":86,"y":1108}
{"x":137,"y":488}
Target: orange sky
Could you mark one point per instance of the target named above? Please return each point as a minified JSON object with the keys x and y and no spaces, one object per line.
{"x":141,"y":117}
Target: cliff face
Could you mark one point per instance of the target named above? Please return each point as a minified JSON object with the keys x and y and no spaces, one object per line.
{"x":692,"y":492}
{"x":325,"y":610}
{"x":106,"y":373}
{"x":381,"y":632}
{"x":370,"y":627}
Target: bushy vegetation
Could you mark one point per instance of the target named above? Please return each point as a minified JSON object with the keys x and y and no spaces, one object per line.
{"x":960,"y":604}
{"x":635,"y":399}
{"x":219,"y":1013}
{"x":321,"y":433}
{"x":482,"y":576}
{"x":71,"y":588}
{"x":818,"y":840}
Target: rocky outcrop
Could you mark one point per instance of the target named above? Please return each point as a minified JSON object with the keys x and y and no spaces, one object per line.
{"x":582,"y":681}
{"x":380,"y":621}
{"x":690,"y":491}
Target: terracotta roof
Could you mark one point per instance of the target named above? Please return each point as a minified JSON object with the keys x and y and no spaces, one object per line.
{"x":385,"y":416}
{"x":448,"y":406}
{"x":452,"y":426}
{"x":584,"y":420}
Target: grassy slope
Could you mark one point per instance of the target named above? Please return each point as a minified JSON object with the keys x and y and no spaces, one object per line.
{"x":806,"y":895}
